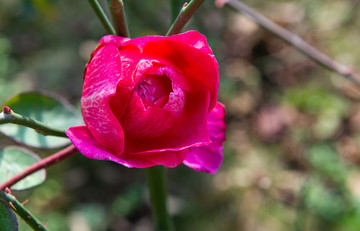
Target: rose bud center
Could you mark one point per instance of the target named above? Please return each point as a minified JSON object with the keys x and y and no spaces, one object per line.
{"x":154,"y":90}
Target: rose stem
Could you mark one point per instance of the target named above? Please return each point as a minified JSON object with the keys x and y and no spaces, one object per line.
{"x":44,"y":163}
{"x":293,"y":40}
{"x":185,"y":14}
{"x":175,"y":7}
{"x":102,"y":16}
{"x":9,"y":116}
{"x":158,"y":195}
{"x":21,"y":211}
{"x":118,"y":15}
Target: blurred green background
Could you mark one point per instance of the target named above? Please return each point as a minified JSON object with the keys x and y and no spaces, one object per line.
{"x":292,"y":152}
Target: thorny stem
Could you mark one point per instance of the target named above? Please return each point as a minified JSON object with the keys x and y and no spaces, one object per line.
{"x":294,"y":40}
{"x":9,"y":116}
{"x":21,"y":211}
{"x":118,"y":16}
{"x":44,"y":163}
{"x":102,"y":16}
{"x":185,"y":14}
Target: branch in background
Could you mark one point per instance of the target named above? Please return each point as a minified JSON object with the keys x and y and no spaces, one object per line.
{"x":9,"y":116}
{"x":44,"y":163}
{"x":293,"y":39}
{"x":185,"y":14}
{"x":118,"y":16}
{"x":21,"y":211}
{"x":102,"y":16}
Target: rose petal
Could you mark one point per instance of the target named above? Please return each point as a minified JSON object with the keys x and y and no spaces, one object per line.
{"x":177,"y":97}
{"x":176,"y":76}
{"x":101,"y":77}
{"x":155,"y":129}
{"x":191,"y":38}
{"x":130,"y":56}
{"x":183,"y":52}
{"x":194,"y":39}
{"x":208,"y":158}
{"x":169,"y":159}
{"x":187,"y":130}
{"x":116,"y":41}
{"x":198,"y":67}
{"x":141,"y":123}
{"x":86,"y":143}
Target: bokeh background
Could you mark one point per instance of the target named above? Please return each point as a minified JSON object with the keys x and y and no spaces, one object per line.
{"x":292,"y":151}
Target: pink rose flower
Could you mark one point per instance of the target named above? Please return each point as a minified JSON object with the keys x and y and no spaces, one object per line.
{"x":152,"y":101}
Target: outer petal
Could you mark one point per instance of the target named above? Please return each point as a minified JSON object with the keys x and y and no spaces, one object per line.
{"x":86,"y":143}
{"x":141,"y":123}
{"x":116,"y":41}
{"x":169,"y":159}
{"x":190,"y":129}
{"x":130,"y":56}
{"x":208,"y":158}
{"x":101,"y":77}
{"x":194,"y":39}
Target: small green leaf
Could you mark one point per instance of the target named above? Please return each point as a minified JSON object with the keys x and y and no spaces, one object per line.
{"x":14,"y":160}
{"x":8,"y":219}
{"x":53,"y":111}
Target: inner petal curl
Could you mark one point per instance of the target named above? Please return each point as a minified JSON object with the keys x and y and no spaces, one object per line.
{"x":154,"y":90}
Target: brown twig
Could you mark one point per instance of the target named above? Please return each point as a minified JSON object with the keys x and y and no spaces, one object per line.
{"x":44,"y":163}
{"x":119,"y":19}
{"x":294,"y":40}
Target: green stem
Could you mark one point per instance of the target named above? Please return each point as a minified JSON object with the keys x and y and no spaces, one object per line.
{"x":8,"y":116}
{"x":185,"y":14}
{"x":21,"y":211}
{"x":118,"y":16}
{"x":158,"y":195}
{"x":175,"y":7}
{"x":102,"y":16}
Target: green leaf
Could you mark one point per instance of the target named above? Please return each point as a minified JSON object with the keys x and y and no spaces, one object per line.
{"x":8,"y":219}
{"x":14,"y":160}
{"x":53,"y":111}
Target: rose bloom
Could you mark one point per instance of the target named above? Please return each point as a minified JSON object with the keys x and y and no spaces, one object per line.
{"x":152,"y":101}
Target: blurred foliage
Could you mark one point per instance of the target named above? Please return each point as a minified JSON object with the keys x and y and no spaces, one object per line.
{"x":51,"y":110}
{"x":292,"y":152}
{"x":14,"y":160}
